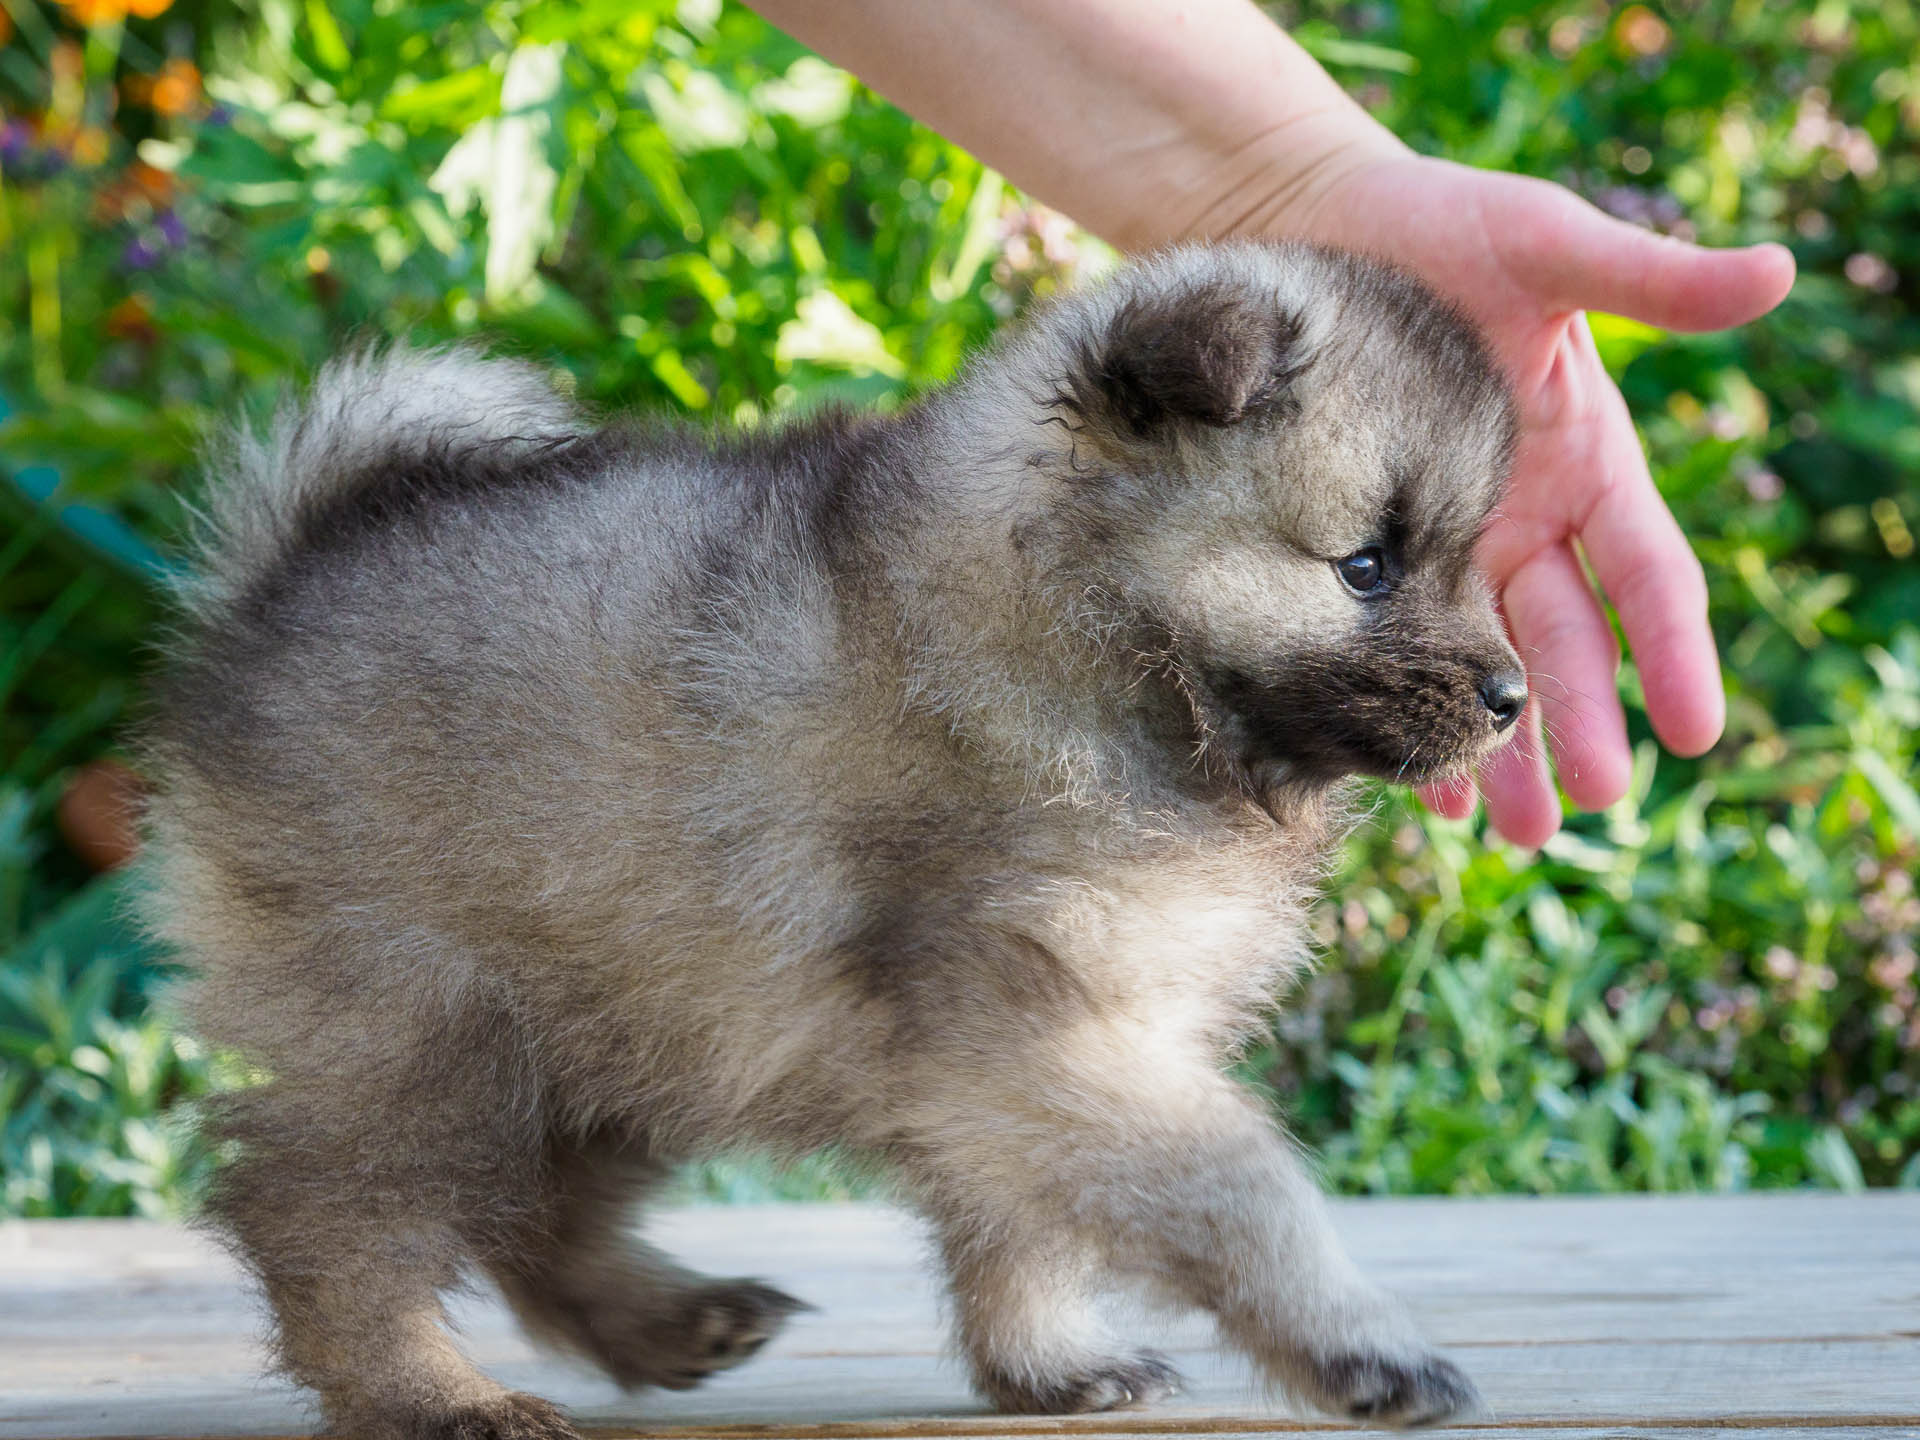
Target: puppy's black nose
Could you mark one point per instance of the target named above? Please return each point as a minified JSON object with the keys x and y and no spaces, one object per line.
{"x":1505,"y":695}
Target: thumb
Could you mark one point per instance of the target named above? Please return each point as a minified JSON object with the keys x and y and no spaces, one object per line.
{"x":1575,"y":257}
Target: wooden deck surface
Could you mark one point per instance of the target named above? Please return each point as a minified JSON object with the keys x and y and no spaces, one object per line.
{"x":1758,"y":1317}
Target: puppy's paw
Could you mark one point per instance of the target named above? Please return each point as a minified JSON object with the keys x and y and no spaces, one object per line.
{"x":513,"y":1416}
{"x":1394,"y":1389}
{"x":717,"y":1327}
{"x":1120,"y":1383}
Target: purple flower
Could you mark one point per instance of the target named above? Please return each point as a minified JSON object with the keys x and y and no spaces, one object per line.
{"x":172,"y":229}
{"x":139,"y":255}
{"x":24,"y":154}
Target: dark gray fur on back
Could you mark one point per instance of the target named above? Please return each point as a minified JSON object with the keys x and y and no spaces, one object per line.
{"x":546,"y":802}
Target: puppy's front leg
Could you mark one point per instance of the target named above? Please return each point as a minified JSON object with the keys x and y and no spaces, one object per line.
{"x":1174,"y":1176}
{"x":1023,"y":1288}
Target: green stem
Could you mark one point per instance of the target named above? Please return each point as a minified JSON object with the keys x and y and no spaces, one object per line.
{"x":43,"y":309}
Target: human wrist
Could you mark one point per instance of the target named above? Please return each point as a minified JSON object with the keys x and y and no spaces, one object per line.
{"x":1148,"y":121}
{"x":1283,"y":182}
{"x":1258,"y":137}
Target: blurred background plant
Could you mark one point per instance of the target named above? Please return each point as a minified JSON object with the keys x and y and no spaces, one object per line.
{"x":1711,"y":986}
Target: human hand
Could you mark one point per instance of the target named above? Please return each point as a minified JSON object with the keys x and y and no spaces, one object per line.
{"x":1525,"y":258}
{"x":1152,"y":121}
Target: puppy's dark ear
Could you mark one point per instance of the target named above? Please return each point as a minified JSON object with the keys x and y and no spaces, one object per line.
{"x":1212,"y":354}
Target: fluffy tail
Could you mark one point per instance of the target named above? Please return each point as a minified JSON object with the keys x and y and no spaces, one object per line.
{"x":367,"y":408}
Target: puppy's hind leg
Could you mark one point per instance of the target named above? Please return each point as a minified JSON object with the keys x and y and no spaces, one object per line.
{"x":353,"y":1226}
{"x":581,"y":1280}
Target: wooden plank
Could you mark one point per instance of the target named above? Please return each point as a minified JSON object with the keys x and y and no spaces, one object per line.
{"x":1776,"y":1313}
{"x":174,"y":1391}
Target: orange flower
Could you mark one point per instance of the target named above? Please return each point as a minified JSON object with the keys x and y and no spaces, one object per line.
{"x":106,"y":12}
{"x":89,"y":146}
{"x":6,"y":27}
{"x":1641,"y":32}
{"x":176,"y":89}
{"x":94,"y":12}
{"x":132,"y":319}
{"x":67,"y":64}
{"x":136,"y":193}
{"x":156,"y":184}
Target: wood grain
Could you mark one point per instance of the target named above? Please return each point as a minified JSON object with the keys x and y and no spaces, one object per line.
{"x":1736,"y":1316}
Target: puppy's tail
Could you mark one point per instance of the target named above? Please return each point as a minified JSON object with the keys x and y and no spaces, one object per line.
{"x":366,"y":412}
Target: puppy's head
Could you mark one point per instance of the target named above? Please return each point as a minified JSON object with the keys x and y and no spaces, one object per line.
{"x":1278,"y":461}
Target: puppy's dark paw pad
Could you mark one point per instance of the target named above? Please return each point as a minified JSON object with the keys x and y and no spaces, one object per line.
{"x":1118,"y":1384}
{"x":512,"y":1417}
{"x":722,"y":1325}
{"x":1397,"y":1391}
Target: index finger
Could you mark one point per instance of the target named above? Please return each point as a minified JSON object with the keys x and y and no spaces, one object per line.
{"x":1657,"y":587}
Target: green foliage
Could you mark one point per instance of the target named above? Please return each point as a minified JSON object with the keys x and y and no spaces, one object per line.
{"x":87,"y":1069}
{"x":1711,"y":986}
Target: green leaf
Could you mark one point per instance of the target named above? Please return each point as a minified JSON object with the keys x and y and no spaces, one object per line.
{"x":329,"y":45}
{"x":1833,"y":1162}
{"x":458,"y":100}
{"x":1898,"y":794}
{"x":1621,"y":340}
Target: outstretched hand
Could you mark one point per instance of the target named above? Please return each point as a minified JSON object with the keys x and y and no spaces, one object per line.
{"x":1526,"y":259}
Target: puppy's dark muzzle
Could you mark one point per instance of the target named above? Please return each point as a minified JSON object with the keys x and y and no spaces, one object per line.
{"x":1409,"y":717}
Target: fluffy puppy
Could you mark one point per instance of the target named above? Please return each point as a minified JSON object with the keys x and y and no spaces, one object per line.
{"x":546,"y":803}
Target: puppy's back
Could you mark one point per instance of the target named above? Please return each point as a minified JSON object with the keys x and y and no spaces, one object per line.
{"x":431,"y":689}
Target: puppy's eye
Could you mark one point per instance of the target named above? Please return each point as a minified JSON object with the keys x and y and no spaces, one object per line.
{"x":1363,"y":570}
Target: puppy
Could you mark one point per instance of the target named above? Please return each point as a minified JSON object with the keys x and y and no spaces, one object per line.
{"x":546,"y":803}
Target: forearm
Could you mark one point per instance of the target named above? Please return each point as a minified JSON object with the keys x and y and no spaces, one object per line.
{"x":1145,"y":120}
